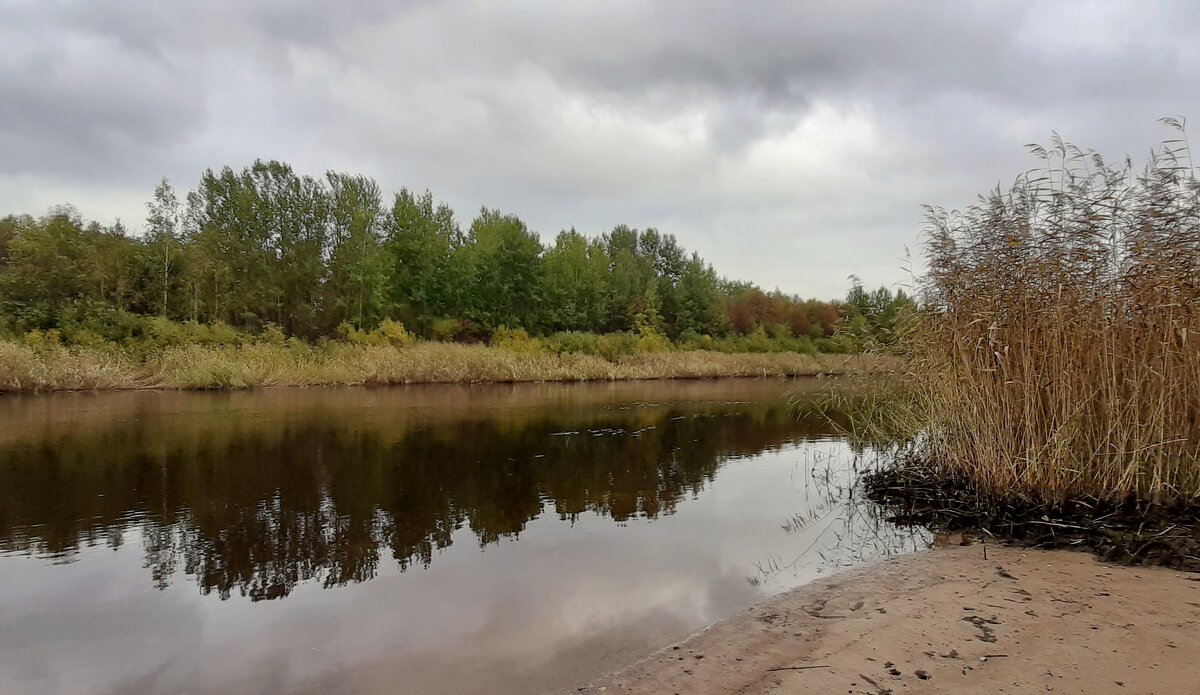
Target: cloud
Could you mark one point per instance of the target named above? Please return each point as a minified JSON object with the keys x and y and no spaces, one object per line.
{"x":789,"y":143}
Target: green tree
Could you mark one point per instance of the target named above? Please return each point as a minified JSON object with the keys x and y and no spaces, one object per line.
{"x":631,"y":274}
{"x":421,"y":240}
{"x":698,"y":306}
{"x":47,"y":267}
{"x":292,"y":213}
{"x":10,"y":225}
{"x":112,"y":268}
{"x":231,"y":258}
{"x":359,"y":271}
{"x":162,"y":255}
{"x":872,"y":317}
{"x":575,"y":283}
{"x":504,"y":259}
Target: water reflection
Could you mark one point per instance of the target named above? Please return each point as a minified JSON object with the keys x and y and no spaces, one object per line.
{"x":323,"y":491}
{"x":501,"y":539}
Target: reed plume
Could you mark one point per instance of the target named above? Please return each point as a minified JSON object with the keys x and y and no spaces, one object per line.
{"x":1059,"y":346}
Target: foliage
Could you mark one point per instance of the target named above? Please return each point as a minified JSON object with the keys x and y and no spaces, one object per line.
{"x":271,"y":254}
{"x":514,"y":340}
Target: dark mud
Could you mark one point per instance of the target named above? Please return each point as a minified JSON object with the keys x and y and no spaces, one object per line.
{"x":1129,"y":531}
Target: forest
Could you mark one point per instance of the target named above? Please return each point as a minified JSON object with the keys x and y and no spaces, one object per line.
{"x":269,"y":251}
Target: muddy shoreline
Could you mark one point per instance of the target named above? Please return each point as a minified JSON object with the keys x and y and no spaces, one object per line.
{"x":949,"y":621}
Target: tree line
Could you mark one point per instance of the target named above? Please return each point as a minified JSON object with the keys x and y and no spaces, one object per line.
{"x":318,"y":256}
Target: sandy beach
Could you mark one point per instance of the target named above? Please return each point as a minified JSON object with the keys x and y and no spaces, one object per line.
{"x":949,"y":621}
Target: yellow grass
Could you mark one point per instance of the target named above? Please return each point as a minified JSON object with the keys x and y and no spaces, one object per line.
{"x":56,"y":368}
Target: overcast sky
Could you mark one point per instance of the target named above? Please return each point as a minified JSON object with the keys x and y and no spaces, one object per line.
{"x":790,"y":143}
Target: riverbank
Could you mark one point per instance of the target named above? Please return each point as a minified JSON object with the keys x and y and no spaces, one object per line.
{"x":949,"y":621}
{"x":56,"y":368}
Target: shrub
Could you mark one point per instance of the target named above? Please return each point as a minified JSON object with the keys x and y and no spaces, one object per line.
{"x":574,"y":342}
{"x":444,"y":330}
{"x":614,"y":345}
{"x":514,"y":340}
{"x":395,"y":333}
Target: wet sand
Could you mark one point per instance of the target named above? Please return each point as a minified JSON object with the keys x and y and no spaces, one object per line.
{"x":949,"y":621}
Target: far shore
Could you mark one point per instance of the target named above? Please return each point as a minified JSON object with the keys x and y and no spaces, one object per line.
{"x":25,"y":369}
{"x":949,"y":621}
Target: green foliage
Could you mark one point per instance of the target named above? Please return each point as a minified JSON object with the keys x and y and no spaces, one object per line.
{"x":575,"y":283}
{"x":266,"y":254}
{"x":395,"y":333}
{"x":359,"y":272}
{"x":445,"y":330}
{"x":504,"y":259}
{"x":272,"y":335}
{"x":420,"y":243}
{"x":515,"y":340}
{"x":873,"y":318}
{"x":577,"y":342}
{"x":388,"y":333}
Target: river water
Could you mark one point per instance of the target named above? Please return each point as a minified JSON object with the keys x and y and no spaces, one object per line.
{"x":425,"y":539}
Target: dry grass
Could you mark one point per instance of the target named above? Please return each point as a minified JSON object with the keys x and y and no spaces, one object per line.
{"x":1059,"y":352}
{"x":55,"y":368}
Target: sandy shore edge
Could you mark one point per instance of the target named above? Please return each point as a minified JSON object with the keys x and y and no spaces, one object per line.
{"x":949,"y":621}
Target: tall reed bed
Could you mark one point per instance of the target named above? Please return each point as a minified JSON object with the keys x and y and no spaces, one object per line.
{"x":1059,"y":348}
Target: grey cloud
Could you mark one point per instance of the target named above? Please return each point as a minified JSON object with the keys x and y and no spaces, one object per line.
{"x":791,"y":143}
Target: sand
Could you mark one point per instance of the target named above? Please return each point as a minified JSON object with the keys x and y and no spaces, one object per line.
{"x":949,"y":621}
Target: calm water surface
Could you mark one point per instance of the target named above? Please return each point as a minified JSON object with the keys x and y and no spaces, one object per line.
{"x":434,"y":539}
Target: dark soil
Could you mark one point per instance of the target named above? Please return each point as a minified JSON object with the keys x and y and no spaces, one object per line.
{"x":1130,"y":531}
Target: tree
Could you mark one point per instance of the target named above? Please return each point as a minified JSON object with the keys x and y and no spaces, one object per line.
{"x":575,"y":283}
{"x":9,"y":228}
{"x":504,"y":259}
{"x":632,"y":273}
{"x":872,"y":317}
{"x":421,"y":240}
{"x":292,"y":213}
{"x":231,"y":258}
{"x":359,"y":272}
{"x":47,"y":268}
{"x":698,"y":307}
{"x":112,"y":268}
{"x":163,"y":221}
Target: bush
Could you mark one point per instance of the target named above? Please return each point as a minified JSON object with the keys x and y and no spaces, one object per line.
{"x":395,"y":333}
{"x":514,"y":340}
{"x":444,"y":330}
{"x":576,"y":342}
{"x":42,"y":340}
{"x":272,"y":334}
{"x":614,"y":345}
{"x":388,"y":333}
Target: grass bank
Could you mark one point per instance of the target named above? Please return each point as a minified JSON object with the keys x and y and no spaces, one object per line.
{"x":26,"y":368}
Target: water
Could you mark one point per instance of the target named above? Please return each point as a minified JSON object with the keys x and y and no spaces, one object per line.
{"x":435,"y":539}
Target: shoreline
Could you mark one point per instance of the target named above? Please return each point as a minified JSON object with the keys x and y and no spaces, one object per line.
{"x":226,"y":368}
{"x":948,"y":621}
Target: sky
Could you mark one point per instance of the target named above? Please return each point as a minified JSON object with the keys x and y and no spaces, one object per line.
{"x":790,"y":144}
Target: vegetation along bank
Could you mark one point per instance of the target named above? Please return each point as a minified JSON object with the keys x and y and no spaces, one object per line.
{"x":1054,"y":370}
{"x":265,"y":276}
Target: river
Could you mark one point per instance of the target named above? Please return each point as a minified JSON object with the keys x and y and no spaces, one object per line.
{"x":425,"y":539}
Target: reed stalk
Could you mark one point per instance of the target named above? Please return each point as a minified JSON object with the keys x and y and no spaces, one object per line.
{"x":1058,"y":351}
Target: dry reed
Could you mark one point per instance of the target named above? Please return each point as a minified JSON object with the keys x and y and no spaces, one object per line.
{"x":1059,"y":348}
{"x":56,"y":368}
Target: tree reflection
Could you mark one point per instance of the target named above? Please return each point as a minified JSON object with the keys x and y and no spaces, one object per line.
{"x":310,"y":497}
